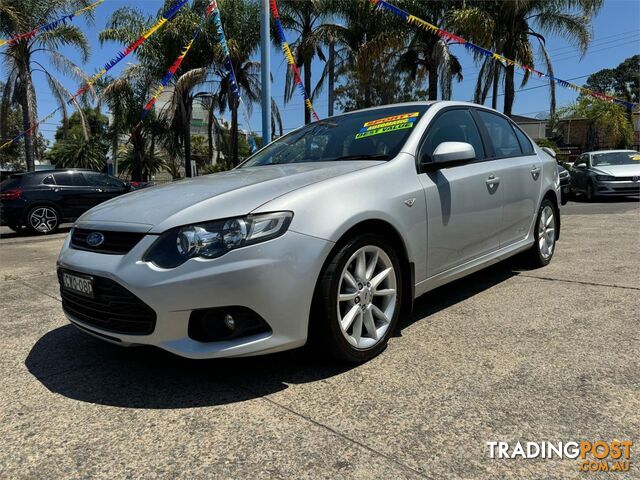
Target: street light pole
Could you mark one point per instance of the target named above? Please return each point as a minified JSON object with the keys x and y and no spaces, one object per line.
{"x":265,"y":67}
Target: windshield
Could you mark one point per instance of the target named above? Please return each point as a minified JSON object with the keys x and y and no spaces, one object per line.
{"x":371,"y":135}
{"x":615,"y":158}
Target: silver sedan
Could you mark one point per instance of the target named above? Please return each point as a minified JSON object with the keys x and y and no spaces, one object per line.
{"x":325,"y":236}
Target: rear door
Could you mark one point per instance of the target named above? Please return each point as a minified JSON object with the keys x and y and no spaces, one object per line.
{"x":76,"y":195}
{"x":521,"y":175}
{"x":464,"y":203}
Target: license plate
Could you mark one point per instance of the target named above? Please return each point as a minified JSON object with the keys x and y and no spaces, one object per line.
{"x":77,"y":284}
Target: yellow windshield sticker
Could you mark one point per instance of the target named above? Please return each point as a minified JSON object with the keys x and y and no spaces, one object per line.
{"x":388,"y":124}
{"x":635,"y":157}
{"x":390,"y":119}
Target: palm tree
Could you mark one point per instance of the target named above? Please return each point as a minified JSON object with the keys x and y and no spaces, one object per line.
{"x":363,"y":40}
{"x":303,"y":18}
{"x":514,"y":28}
{"x":429,"y":55}
{"x":157,"y":55}
{"x":243,"y":41}
{"x":24,"y":57}
{"x":124,"y":97}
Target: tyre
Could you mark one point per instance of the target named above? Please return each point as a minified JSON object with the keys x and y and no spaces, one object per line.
{"x":590,"y":193}
{"x":43,"y":219}
{"x":545,"y":230}
{"x":357,"y":301}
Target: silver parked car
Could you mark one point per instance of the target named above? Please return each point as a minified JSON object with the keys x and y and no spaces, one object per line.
{"x":327,"y":235}
{"x":606,"y":173}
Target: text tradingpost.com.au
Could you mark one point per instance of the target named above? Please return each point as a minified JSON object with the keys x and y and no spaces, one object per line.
{"x":591,"y":455}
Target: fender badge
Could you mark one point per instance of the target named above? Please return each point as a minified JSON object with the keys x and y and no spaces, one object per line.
{"x":409,"y":202}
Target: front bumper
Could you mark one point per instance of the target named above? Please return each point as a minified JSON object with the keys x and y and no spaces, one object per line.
{"x":276,"y":279}
{"x":617,"y":188}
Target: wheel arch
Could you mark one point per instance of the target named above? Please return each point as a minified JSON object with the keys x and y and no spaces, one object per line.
{"x":391,"y":234}
{"x":553,"y":198}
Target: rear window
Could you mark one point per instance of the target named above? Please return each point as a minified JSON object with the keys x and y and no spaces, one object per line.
{"x":74,"y":179}
{"x":525,"y":143}
{"x":504,"y":140}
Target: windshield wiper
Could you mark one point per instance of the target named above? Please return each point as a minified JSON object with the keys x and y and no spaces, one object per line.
{"x":376,"y":156}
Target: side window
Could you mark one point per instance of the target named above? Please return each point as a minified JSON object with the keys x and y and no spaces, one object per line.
{"x":70,"y":179}
{"x":525,"y":143}
{"x":48,"y":180}
{"x":102,"y":180}
{"x":452,"y":126}
{"x":503,"y":138}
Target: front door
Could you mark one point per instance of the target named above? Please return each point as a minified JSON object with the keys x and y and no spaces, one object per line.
{"x":579,"y":173}
{"x":464,"y":203}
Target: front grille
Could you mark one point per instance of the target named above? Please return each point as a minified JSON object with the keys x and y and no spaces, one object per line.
{"x":115,"y":243}
{"x":113,"y":308}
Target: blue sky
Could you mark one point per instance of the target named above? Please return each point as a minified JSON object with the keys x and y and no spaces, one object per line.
{"x":616,"y":36}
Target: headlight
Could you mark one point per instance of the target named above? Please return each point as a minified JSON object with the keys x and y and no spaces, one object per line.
{"x":605,"y":178}
{"x":213,"y":239}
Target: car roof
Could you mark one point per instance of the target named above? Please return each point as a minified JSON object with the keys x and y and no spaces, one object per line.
{"x":422,"y":103}
{"x":57,"y":170}
{"x":611,"y":151}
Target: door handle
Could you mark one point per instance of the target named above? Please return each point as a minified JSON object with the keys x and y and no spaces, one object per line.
{"x":535,"y":172}
{"x":492,"y":184}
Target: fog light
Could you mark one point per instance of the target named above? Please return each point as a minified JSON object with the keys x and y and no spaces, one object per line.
{"x":229,"y":322}
{"x":225,"y":323}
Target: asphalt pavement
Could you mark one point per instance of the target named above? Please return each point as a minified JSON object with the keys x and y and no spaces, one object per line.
{"x":506,"y":354}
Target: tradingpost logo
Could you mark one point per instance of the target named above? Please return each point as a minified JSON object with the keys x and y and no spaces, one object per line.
{"x":596,"y":456}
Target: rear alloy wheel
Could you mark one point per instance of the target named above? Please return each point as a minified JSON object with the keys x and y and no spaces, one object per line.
{"x":543,"y":248}
{"x":43,"y":220}
{"x":357,"y":304}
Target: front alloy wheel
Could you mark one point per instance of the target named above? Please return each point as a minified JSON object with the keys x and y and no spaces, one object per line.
{"x":357,"y":301}
{"x":43,"y":220}
{"x":366,"y":297}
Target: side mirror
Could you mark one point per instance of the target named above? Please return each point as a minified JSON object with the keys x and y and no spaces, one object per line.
{"x":450,"y":154}
{"x":579,"y":165}
{"x":549,"y":151}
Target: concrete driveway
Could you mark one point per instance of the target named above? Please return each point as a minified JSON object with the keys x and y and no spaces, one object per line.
{"x":504,"y":355}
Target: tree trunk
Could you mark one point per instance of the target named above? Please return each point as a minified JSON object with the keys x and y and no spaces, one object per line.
{"x":29,"y":116}
{"x":136,"y":168}
{"x":433,"y":83}
{"x":307,"y":86}
{"x":234,"y":132}
{"x":331,"y":81}
{"x":186,"y":136}
{"x":114,"y":143}
{"x":496,"y":79}
{"x":509,"y":90}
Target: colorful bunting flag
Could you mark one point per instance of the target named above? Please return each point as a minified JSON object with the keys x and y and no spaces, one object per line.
{"x":228,"y":65}
{"x":289,"y":56}
{"x":49,"y":26}
{"x":412,"y":20}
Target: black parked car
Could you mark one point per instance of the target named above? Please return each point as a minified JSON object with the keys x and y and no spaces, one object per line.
{"x":565,"y":184}
{"x":43,"y":200}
